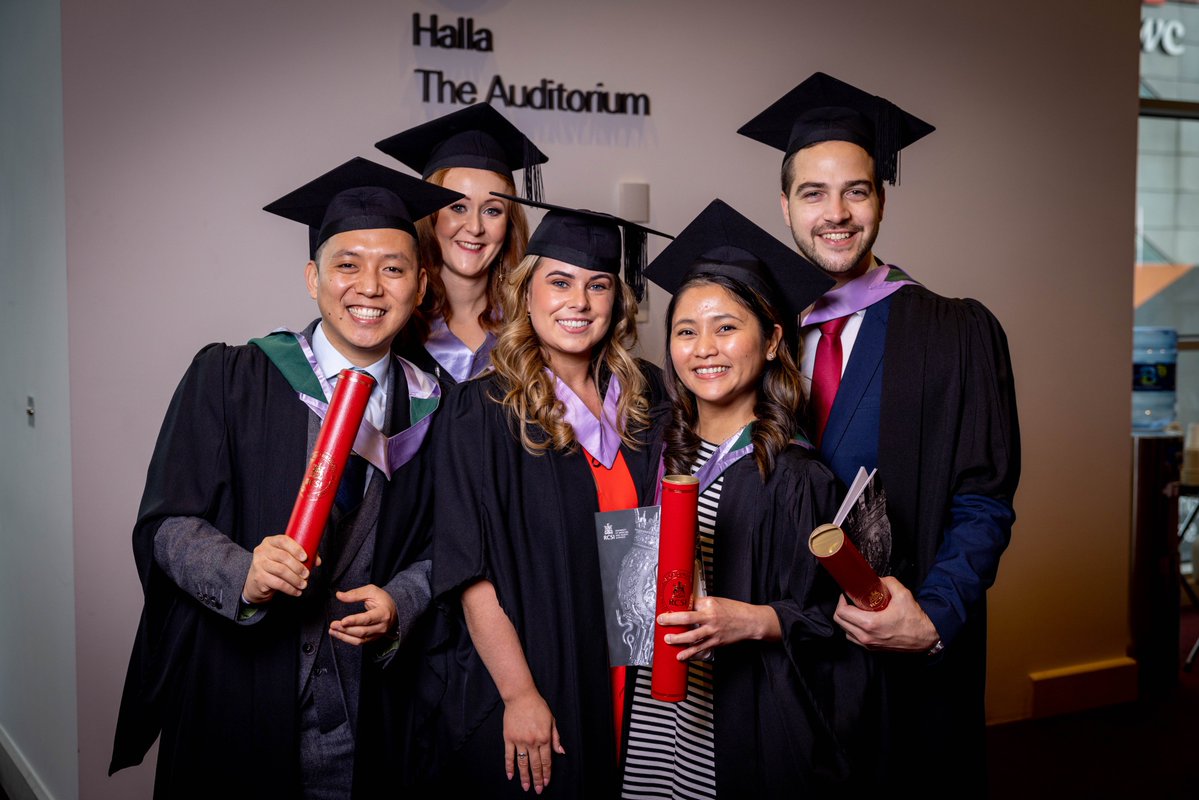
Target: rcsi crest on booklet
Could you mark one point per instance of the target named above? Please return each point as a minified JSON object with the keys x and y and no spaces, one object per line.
{"x":628,"y":555}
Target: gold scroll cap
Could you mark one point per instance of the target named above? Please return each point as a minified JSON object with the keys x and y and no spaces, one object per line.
{"x":826,"y":540}
{"x":680,"y":480}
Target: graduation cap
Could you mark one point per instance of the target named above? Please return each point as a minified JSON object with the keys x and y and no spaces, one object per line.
{"x":591,"y":240}
{"x":721,"y":241}
{"x":358,"y":195}
{"x":823,"y":109}
{"x":479,"y":137}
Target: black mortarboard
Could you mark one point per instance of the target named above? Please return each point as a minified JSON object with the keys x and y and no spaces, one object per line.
{"x":723,"y":242}
{"x":357,"y":195}
{"x":823,"y":109}
{"x":591,"y":240}
{"x":478,"y":136}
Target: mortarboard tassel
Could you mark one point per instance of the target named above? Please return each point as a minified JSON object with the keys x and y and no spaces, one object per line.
{"x":533,"y":188}
{"x":634,"y":259}
{"x":886,"y":140}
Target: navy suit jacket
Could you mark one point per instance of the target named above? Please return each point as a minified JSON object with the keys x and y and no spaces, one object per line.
{"x":850,"y":438}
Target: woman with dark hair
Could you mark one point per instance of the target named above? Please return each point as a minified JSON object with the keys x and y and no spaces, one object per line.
{"x":467,"y":247}
{"x":517,"y":687}
{"x":761,"y":713}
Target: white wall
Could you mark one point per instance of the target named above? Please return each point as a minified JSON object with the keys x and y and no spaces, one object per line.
{"x":37,"y":594}
{"x":183,"y":119}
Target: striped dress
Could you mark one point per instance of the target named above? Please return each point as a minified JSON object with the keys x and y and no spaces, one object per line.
{"x":670,"y":745}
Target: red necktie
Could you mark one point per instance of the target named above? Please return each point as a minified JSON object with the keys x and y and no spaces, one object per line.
{"x":826,"y":375}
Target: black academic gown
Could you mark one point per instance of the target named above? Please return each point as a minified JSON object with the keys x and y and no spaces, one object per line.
{"x":785,"y":714}
{"x":223,"y":696}
{"x":948,"y":426}
{"x":525,"y":523}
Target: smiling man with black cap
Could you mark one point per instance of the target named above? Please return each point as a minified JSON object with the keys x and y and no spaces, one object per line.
{"x":919,"y":386}
{"x":249,"y":664}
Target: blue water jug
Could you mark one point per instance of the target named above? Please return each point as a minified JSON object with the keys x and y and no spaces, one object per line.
{"x":1154,"y":356}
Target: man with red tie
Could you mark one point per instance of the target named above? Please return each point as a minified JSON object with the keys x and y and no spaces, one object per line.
{"x":919,"y":386}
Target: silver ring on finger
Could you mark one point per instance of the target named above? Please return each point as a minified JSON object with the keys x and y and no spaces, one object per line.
{"x":522,"y":756}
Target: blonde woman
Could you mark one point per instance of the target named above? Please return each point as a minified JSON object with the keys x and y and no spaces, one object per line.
{"x":525,"y":457}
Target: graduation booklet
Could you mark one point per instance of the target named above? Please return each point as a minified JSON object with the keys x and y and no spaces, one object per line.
{"x":628,"y":554}
{"x":863,"y":517}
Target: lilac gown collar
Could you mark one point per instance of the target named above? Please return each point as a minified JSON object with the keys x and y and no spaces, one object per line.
{"x":598,"y":437}
{"x":862,"y":292}
{"x":453,"y":355}
{"x":730,"y":451}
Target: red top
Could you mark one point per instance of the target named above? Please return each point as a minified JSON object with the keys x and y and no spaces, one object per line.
{"x":614,"y":487}
{"x":616,"y":492}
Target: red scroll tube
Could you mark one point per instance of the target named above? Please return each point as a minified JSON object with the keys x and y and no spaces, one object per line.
{"x":843,"y":561}
{"x":676,"y":574}
{"x":338,"y":430}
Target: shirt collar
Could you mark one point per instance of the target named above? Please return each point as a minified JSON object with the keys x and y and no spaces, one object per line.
{"x":332,"y":362}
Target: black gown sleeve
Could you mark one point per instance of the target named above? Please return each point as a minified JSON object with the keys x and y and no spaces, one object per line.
{"x":189,"y":473}
{"x":460,"y":458}
{"x":172,"y":489}
{"x":806,"y":496}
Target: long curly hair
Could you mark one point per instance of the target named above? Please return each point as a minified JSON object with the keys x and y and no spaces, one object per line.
{"x":781,"y":400}
{"x":520,"y":360}
{"x":435,"y":304}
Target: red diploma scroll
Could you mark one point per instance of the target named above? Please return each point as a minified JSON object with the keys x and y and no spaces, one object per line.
{"x":843,"y":561}
{"x":329,"y":456}
{"x":676,"y":574}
